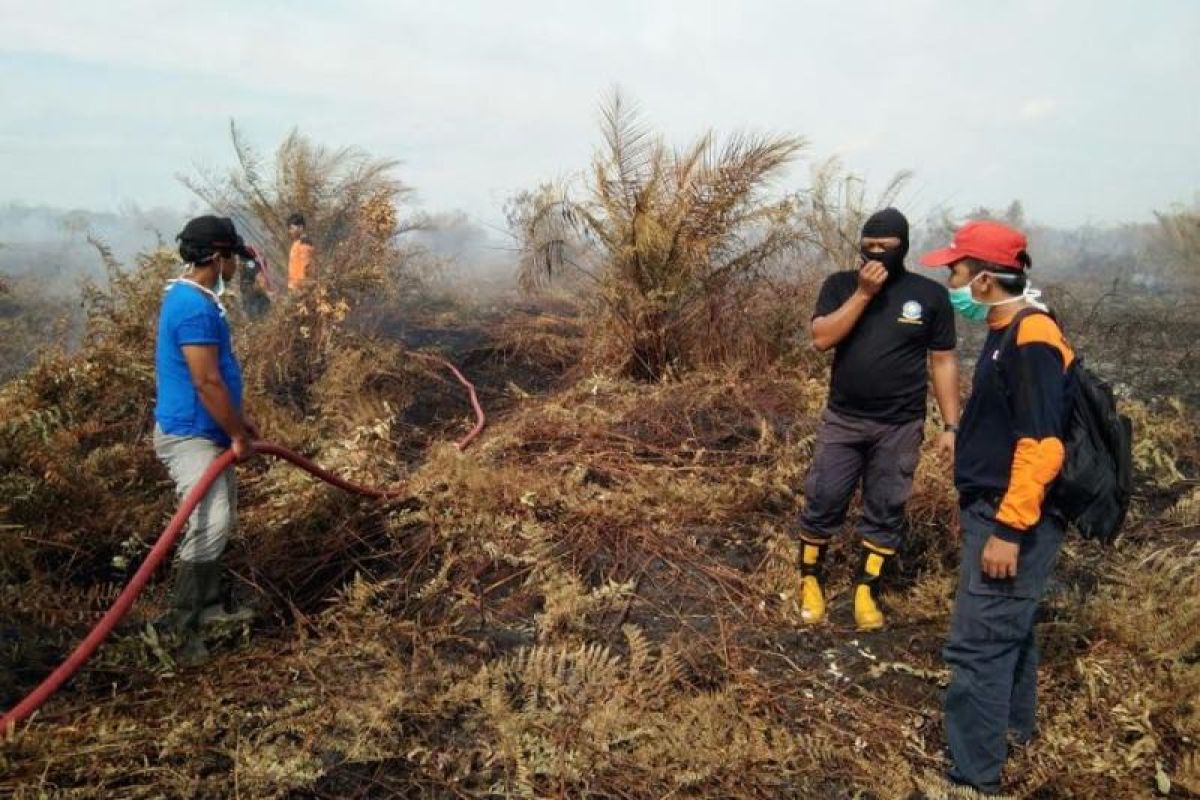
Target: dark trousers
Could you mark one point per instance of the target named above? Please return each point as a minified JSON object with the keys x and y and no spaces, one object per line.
{"x":256,"y":303}
{"x":992,"y":651}
{"x":849,"y":450}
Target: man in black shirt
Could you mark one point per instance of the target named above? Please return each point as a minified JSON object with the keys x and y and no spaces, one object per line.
{"x":887,"y":326}
{"x":255,"y":286}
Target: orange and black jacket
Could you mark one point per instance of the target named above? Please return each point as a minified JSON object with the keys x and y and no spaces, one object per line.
{"x":1010,"y":442}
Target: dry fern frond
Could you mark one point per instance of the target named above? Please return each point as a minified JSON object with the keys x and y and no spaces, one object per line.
{"x":1186,"y":511}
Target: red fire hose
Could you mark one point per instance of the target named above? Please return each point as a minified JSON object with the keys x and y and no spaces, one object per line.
{"x":479,"y":418}
{"x":166,"y":540}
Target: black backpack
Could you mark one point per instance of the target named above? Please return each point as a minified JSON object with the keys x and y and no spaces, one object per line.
{"x":1094,"y":488}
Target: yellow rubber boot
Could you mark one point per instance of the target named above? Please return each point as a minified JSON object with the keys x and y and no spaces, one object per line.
{"x":812,"y":597}
{"x":867,"y":614}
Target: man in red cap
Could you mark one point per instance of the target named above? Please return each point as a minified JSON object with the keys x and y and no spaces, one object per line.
{"x":1009,"y":452}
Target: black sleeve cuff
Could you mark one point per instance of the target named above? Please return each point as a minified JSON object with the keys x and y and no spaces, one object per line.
{"x":1007,"y":533}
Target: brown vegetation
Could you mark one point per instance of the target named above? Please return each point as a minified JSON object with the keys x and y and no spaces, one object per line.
{"x":30,"y":324}
{"x":596,"y":601}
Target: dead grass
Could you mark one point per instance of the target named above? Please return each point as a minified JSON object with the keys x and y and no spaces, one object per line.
{"x":595,"y":601}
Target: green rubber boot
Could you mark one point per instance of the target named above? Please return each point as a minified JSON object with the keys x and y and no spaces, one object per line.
{"x":221,"y":606}
{"x":187,"y":602}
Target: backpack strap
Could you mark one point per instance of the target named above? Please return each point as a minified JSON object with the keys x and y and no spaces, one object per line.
{"x":1014,"y":327}
{"x":1006,"y":343}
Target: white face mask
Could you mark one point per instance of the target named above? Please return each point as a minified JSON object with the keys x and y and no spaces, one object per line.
{"x":1031,"y":295}
{"x":214,"y":296}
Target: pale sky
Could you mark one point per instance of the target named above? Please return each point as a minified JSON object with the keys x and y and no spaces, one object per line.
{"x":1086,"y":110}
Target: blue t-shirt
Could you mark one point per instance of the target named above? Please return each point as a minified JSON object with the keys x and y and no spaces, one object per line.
{"x":189,"y":316}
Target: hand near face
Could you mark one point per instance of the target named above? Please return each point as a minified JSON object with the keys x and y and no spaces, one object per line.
{"x":871,"y":277}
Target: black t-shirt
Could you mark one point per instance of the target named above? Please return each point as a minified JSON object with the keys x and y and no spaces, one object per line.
{"x":254,"y":299}
{"x":881,"y":370}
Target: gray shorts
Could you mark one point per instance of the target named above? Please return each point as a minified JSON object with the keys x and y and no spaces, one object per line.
{"x":209,"y":528}
{"x":880,"y":456}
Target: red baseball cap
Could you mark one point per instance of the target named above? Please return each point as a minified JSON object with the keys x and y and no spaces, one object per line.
{"x":985,"y":240}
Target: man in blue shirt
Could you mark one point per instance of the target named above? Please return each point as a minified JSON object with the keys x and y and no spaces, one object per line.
{"x":198,"y":415}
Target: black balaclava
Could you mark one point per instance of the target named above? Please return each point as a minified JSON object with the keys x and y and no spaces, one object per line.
{"x":888,"y":222}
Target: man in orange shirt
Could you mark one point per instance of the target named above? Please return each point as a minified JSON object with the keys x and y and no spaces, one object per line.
{"x":301,"y":269}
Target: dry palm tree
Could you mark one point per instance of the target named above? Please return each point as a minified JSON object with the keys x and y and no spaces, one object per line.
{"x":337,"y":189}
{"x":670,"y":238}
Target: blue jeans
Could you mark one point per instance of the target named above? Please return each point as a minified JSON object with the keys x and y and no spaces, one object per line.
{"x":992,"y":650}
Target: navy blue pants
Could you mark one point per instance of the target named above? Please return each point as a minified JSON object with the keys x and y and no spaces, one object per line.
{"x":992,"y":651}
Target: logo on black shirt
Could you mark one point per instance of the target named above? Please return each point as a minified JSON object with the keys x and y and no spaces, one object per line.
{"x":911,"y":313}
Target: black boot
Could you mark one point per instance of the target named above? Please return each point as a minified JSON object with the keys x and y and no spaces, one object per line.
{"x":220,"y":602}
{"x":187,"y":601}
